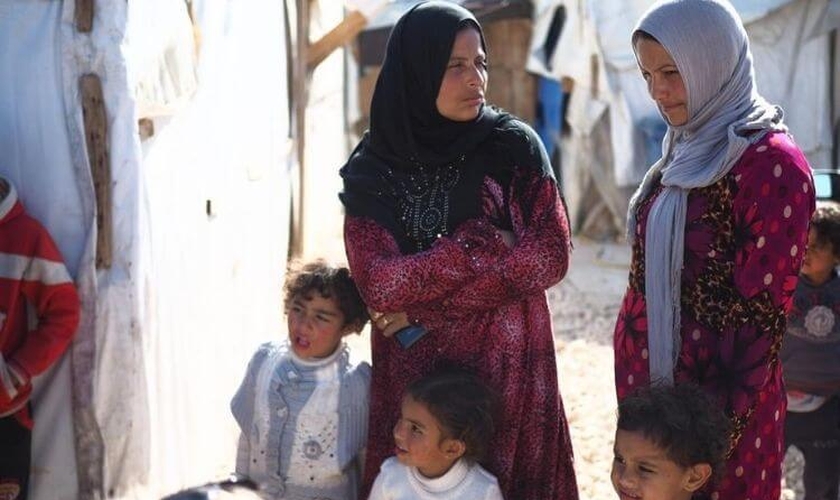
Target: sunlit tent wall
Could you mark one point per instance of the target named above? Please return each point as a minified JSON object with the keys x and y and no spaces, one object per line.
{"x":152,"y":139}
{"x":614,"y":129}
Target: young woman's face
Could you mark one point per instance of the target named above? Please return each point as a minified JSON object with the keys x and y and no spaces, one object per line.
{"x":643,"y":471}
{"x":819,"y":261}
{"x":461,"y":93}
{"x":316,"y":325}
{"x":420,"y":441}
{"x":664,"y":82}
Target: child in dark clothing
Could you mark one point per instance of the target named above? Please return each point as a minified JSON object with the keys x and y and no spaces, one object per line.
{"x":810,"y":359}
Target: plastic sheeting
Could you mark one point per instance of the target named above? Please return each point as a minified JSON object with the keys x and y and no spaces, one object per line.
{"x":791,"y":52}
{"x":200,"y":226}
{"x":217,"y":230}
{"x":36,"y":155}
{"x":594,"y":51}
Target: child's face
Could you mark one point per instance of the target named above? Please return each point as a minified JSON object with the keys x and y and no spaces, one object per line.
{"x":642,"y":471}
{"x":819,"y":260}
{"x":316,"y":325}
{"x":420,"y":441}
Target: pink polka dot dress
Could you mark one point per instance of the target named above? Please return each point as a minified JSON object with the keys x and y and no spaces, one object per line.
{"x":745,"y":238}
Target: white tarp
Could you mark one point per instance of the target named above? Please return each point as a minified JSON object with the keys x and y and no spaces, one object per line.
{"x":791,"y":54}
{"x":217,"y":227}
{"x":35,"y":155}
{"x":200,"y":217}
{"x":790,"y":45}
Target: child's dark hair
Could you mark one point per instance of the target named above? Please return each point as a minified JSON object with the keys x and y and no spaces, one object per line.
{"x":330,"y":282}
{"x":463,"y":404}
{"x":235,"y":486}
{"x":682,"y":420}
{"x":826,"y":224}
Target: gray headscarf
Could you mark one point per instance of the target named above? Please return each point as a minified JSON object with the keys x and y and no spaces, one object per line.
{"x":710,"y":48}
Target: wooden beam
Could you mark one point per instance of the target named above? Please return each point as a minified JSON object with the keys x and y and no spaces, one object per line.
{"x":84,"y":15}
{"x":337,"y":37}
{"x":96,"y":138}
{"x":300,"y":95}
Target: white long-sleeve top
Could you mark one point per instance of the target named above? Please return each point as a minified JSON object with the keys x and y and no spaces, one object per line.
{"x":463,"y":481}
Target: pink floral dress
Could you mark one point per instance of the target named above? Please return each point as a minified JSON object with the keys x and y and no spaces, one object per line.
{"x":484,"y":306}
{"x":744,"y":242}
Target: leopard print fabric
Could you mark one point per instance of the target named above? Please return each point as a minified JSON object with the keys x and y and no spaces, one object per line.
{"x":485,"y":308}
{"x":744,"y":242}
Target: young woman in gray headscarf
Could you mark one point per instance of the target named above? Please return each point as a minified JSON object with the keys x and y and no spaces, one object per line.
{"x":718,"y":231}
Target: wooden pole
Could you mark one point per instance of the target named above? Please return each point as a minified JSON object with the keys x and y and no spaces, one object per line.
{"x":84,"y":15}
{"x":301,"y":96}
{"x":337,"y":37}
{"x":96,"y":137}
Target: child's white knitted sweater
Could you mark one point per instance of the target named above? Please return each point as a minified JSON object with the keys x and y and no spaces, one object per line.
{"x":304,"y":424}
{"x":463,"y":481}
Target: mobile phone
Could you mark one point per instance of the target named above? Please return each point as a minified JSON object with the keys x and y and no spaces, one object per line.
{"x":409,"y":335}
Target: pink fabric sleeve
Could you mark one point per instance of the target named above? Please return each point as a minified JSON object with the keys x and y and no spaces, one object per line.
{"x":772,"y":212}
{"x":539,"y":259}
{"x":392,"y":282}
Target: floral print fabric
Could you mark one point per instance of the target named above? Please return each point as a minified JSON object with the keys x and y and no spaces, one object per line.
{"x":485,"y":308}
{"x":744,"y":242}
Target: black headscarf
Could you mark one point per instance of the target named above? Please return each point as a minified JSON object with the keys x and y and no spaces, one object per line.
{"x":415,"y":172}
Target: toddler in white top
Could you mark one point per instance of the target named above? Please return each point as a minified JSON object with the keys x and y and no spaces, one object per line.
{"x":445,"y":428}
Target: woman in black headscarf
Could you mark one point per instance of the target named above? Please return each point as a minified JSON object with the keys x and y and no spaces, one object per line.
{"x":456,"y":224}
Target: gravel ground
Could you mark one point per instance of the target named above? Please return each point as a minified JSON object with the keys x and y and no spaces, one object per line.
{"x":584,"y":308}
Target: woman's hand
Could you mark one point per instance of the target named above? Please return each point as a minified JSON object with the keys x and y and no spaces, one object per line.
{"x":389,"y":323}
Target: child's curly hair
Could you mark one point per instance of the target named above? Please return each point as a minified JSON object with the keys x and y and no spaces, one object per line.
{"x":682,"y":420}
{"x":464,"y":405}
{"x":826,"y":224}
{"x":330,"y":282}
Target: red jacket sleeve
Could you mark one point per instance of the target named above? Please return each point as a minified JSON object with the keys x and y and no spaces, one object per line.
{"x":48,"y":288}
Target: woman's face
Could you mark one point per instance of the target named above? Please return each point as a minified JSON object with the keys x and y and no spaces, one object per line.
{"x":461,"y":93}
{"x":664,"y":82}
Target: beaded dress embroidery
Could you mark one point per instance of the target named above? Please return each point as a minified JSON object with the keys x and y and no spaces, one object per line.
{"x":424,"y":201}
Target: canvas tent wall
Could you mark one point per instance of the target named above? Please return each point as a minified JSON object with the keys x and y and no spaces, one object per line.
{"x":616,"y":129}
{"x":198,"y":225}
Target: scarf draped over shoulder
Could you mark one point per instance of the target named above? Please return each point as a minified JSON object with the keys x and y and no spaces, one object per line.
{"x":710,"y":48}
{"x":415,"y":172}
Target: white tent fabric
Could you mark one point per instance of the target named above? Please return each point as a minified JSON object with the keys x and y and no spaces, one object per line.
{"x":217,"y":226}
{"x":200,"y":228}
{"x":791,"y":50}
{"x":35,"y":154}
{"x":594,"y":50}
